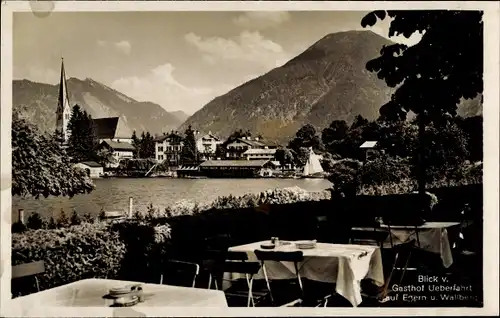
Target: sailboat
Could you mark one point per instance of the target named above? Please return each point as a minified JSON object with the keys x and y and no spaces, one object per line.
{"x":313,"y":168}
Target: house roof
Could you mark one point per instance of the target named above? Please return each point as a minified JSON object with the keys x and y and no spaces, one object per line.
{"x":164,"y":137}
{"x":91,"y":164}
{"x":368,"y":144}
{"x":115,"y":145}
{"x":253,"y":143}
{"x":234,"y":163}
{"x":106,"y":128}
{"x":260,"y":152}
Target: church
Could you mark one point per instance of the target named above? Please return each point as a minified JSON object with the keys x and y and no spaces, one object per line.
{"x":109,"y":129}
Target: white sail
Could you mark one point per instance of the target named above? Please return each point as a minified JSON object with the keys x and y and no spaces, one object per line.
{"x":312,"y":165}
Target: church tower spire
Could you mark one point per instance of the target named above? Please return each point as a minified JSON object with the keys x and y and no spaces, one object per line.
{"x":63,"y":107}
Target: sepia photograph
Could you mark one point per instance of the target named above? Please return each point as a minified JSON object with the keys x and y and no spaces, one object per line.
{"x":242,"y":158}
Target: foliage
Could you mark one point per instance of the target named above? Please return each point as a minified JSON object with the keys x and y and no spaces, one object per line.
{"x":473,"y":128}
{"x":75,"y":219}
{"x":105,"y":157}
{"x":434,"y":74}
{"x":35,"y":221}
{"x":344,"y":175}
{"x":306,"y":137}
{"x":83,"y":143}
{"x":63,"y":220}
{"x":40,"y":165}
{"x":70,"y":254}
{"x":284,"y":156}
{"x":142,"y":165}
{"x":189,"y":150}
{"x":146,"y":145}
{"x":301,"y":156}
{"x":334,"y":133}
{"x":384,"y":170}
{"x":445,"y":149}
{"x":136,"y":142}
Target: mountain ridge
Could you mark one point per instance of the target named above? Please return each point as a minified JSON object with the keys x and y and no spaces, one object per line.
{"x":327,"y":81}
{"x":38,"y":103}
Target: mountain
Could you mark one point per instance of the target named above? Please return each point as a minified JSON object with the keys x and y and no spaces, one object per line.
{"x":180,"y":115}
{"x":328,"y":81}
{"x":38,"y":103}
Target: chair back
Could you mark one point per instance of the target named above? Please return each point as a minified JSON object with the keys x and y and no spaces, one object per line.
{"x":279,"y":256}
{"x":250,"y":268}
{"x":375,"y":236}
{"x":28,"y":269}
{"x":180,"y":273}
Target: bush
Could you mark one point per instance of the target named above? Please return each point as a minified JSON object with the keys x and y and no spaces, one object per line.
{"x":75,"y":219}
{"x":70,"y":254}
{"x":35,"y":221}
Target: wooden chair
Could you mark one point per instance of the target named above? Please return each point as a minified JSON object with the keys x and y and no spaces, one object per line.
{"x":29,"y":269}
{"x":180,"y":273}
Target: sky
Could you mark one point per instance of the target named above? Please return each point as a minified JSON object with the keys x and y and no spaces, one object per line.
{"x":179,"y":60}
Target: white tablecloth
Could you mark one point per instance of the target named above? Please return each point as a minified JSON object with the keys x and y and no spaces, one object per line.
{"x":433,"y":237}
{"x":89,"y":292}
{"x":331,"y":263}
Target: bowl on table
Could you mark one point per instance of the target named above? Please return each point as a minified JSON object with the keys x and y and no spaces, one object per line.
{"x":304,"y":245}
{"x":267,"y":246}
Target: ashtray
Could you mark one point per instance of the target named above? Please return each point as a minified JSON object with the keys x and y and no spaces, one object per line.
{"x":267,"y":246}
{"x":126,"y":301}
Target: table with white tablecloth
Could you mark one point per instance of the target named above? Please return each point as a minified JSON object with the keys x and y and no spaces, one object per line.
{"x":90,"y":292}
{"x":432,"y":236}
{"x":342,"y":264}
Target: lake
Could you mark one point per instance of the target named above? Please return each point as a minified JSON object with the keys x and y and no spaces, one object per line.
{"x":113,"y":194}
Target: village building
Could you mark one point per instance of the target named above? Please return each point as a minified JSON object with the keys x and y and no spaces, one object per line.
{"x":120,"y":150}
{"x":93,"y":169}
{"x":207,"y":145}
{"x":237,"y":147}
{"x":111,"y":128}
{"x":259,"y":154}
{"x":169,"y":147}
{"x":236,"y":168}
{"x":370,"y":150}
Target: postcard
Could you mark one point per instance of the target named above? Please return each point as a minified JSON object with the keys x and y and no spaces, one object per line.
{"x":289,"y":158}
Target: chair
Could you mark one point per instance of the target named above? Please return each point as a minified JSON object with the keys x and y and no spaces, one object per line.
{"x":180,"y":273}
{"x":375,"y":237}
{"x":27,"y":270}
{"x":249,"y":269}
{"x":294,"y":257}
{"x":403,"y":254}
{"x":214,"y":262}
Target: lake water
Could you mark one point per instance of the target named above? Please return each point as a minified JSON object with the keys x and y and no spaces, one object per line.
{"x":113,"y":194}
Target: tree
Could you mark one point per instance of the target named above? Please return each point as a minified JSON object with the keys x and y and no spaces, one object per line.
{"x":433,"y":75}
{"x":146,"y":146}
{"x":306,"y":137}
{"x":41,"y":167}
{"x":189,"y":150}
{"x":359,"y":121}
{"x":136,"y":142}
{"x":105,"y":157}
{"x":284,"y":156}
{"x":83,"y":143}
{"x":333,"y":134}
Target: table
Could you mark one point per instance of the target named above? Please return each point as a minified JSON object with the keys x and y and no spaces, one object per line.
{"x":433,"y":237}
{"x":89,"y":292}
{"x":330,"y":263}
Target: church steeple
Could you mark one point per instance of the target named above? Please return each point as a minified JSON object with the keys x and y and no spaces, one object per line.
{"x":63,"y":107}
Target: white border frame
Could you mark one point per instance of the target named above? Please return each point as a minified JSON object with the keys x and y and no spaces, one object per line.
{"x":491,"y":142}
